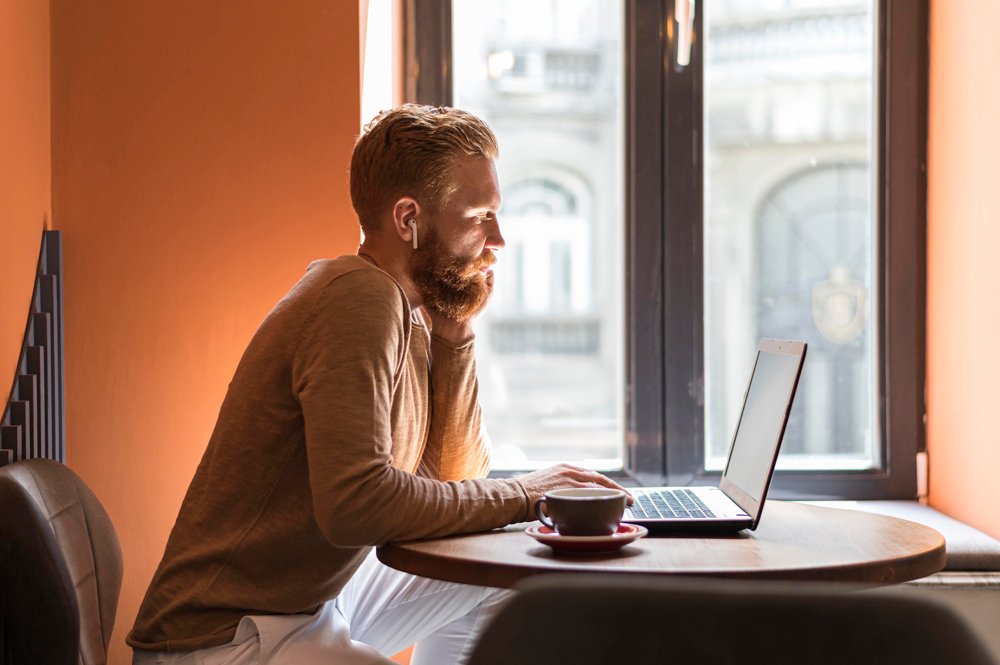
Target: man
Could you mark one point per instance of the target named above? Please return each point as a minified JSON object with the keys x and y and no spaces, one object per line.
{"x":353,"y":420}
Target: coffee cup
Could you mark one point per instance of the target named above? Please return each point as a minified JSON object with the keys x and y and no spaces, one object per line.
{"x":582,"y":511}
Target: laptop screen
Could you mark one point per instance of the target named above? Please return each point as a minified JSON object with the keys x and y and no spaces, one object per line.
{"x":762,"y":422}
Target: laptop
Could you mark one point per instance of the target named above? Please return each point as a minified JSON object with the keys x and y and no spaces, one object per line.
{"x":738,"y":501}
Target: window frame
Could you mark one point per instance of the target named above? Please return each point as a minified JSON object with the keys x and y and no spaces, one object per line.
{"x":664,"y":243}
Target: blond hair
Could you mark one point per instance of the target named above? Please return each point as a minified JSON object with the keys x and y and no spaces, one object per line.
{"x":408,"y":151}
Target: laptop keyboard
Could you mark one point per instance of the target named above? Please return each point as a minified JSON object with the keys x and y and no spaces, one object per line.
{"x":680,"y":503}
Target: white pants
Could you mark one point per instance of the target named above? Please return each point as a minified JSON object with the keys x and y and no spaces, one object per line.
{"x":380,"y":612}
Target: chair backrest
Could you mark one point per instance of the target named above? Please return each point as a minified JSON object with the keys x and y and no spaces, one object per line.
{"x":587,"y":620}
{"x":60,"y":567}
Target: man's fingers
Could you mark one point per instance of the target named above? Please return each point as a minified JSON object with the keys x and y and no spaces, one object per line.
{"x":569,"y":475}
{"x":594,"y":479}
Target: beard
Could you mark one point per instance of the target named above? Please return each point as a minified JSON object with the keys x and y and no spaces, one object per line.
{"x":455,"y":287}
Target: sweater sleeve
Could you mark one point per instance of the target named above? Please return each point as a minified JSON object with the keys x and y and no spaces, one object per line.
{"x":457,"y":446}
{"x":344,"y":374}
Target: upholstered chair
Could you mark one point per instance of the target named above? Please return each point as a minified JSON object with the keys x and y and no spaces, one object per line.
{"x":60,"y":568}
{"x":595,"y":620}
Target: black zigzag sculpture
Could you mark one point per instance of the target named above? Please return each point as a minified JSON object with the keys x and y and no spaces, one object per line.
{"x":33,"y":423}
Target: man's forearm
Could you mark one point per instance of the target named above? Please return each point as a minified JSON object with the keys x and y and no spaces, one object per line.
{"x":457,"y":447}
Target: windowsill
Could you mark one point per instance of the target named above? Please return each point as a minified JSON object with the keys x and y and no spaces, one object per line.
{"x":966,"y":548}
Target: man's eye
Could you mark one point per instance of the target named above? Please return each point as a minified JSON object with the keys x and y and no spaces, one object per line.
{"x":481,"y":219}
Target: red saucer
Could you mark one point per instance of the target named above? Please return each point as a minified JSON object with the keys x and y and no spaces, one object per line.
{"x":625,"y":534}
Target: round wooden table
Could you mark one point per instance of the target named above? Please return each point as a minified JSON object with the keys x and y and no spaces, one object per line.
{"x":793,"y":542}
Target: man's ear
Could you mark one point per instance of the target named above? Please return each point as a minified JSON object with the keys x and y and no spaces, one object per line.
{"x":406,"y":210}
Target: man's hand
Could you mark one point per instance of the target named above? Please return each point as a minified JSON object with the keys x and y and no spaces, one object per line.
{"x":537,"y":483}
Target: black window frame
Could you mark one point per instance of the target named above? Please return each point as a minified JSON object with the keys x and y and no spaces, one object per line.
{"x":664,"y":243}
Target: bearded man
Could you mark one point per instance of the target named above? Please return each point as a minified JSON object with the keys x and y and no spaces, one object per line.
{"x":353,"y":421}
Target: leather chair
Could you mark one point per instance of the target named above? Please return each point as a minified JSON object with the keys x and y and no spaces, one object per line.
{"x":60,"y":568}
{"x":589,"y":620}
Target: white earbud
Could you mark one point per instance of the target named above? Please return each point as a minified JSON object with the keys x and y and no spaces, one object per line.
{"x":413,"y":227}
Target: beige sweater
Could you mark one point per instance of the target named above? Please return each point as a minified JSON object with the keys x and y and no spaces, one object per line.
{"x":346,"y":426}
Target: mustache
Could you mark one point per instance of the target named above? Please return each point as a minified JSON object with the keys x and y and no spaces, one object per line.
{"x":487,"y":259}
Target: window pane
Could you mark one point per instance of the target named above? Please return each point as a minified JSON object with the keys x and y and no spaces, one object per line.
{"x":789,"y":219}
{"x":546,"y":75}
{"x":379,"y":59}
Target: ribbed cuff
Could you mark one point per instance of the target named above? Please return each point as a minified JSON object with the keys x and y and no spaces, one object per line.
{"x":529,"y":513}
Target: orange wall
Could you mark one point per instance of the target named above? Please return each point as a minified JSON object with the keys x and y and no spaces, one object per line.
{"x":201,"y":161}
{"x":201,"y":153}
{"x":25,"y":149}
{"x":963,"y":273}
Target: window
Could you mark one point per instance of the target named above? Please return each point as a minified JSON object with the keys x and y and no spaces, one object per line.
{"x":546,"y":75}
{"x":661,"y":218}
{"x":379,"y":57}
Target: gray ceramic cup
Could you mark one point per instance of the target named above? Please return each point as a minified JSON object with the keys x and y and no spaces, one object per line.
{"x":582,"y":511}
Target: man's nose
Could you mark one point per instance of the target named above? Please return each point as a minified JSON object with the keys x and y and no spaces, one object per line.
{"x":494,"y":239}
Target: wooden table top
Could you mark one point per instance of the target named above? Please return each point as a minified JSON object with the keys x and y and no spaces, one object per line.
{"x":793,"y":542}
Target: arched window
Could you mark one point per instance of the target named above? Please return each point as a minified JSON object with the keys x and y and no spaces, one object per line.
{"x":539,"y":196}
{"x":548,"y":227}
{"x":814,"y":247}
